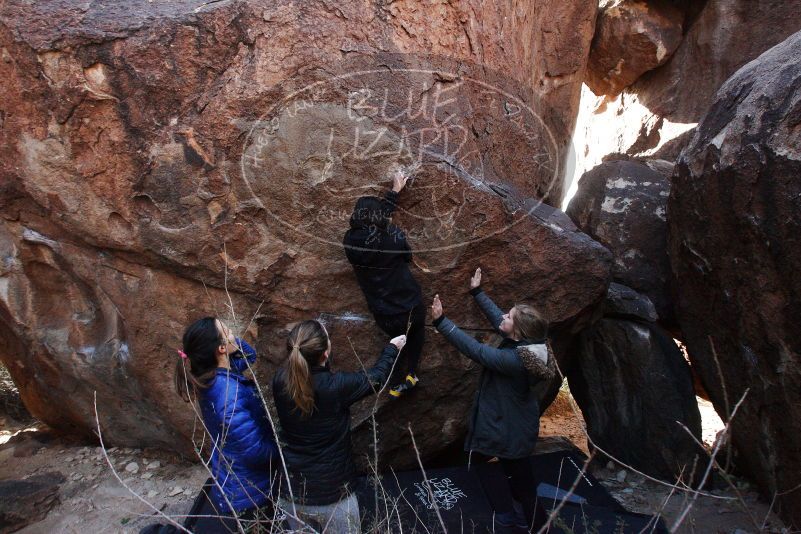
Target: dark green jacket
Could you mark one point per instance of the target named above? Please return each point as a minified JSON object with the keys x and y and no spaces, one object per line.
{"x":505,"y":418}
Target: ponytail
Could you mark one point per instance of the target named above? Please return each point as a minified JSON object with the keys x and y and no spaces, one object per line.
{"x":306,"y":344}
{"x":298,"y":383}
{"x":197,"y":362}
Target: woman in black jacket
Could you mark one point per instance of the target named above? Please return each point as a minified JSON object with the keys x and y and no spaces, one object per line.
{"x":380,"y":256}
{"x":313,"y":406}
{"x":505,"y":416}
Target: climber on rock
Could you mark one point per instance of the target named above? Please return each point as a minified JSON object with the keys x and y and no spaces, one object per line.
{"x":380,"y":256}
{"x":504,"y":420}
{"x":313,"y":405}
{"x":244,"y":454}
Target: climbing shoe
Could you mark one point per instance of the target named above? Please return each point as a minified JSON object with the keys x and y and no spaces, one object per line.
{"x":410,"y":382}
{"x":510,"y":520}
{"x":515,"y":518}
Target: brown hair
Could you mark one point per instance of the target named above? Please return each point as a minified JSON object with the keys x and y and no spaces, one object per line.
{"x":200,"y":343}
{"x":306,"y":344}
{"x":529,"y":323}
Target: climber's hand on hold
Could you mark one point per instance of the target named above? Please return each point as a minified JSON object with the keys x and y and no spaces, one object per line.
{"x":399,"y":180}
{"x":436,"y":308}
{"x":475,"y":280}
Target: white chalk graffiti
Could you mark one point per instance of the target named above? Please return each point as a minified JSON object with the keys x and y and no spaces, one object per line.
{"x":445,"y":494}
{"x":315,"y":151}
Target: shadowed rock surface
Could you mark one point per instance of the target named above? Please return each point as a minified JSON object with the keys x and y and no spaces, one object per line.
{"x":622,"y":205}
{"x":624,"y":303}
{"x":633,"y":385}
{"x":162,"y":162}
{"x":735,"y":221}
{"x":651,"y":117}
{"x":27,"y":501}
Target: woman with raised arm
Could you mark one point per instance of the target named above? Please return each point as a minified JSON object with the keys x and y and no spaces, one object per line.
{"x":504,"y":421}
{"x":313,"y":405}
{"x":380,"y":256}
{"x":243,"y":449}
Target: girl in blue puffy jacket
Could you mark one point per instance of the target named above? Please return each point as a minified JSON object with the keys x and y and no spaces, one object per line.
{"x":243,"y":448}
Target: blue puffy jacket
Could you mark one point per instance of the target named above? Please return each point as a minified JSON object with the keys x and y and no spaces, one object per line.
{"x":242,"y":441}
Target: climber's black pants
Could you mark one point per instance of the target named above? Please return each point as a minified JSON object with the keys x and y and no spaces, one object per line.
{"x":396,"y":325}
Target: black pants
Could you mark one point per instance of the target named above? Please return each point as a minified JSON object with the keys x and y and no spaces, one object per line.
{"x":396,"y":325}
{"x":523,"y":486}
{"x":253,"y":520}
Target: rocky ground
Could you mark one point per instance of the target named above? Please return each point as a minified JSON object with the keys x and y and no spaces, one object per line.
{"x":93,"y":498}
{"x":145,"y":483}
{"x":723,"y":514}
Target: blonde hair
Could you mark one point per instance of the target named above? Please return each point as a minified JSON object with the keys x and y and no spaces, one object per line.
{"x":306,"y":344}
{"x":529,"y":323}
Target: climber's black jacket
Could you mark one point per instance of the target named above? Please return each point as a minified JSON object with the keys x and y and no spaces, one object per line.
{"x":317,"y":448}
{"x":380,"y":256}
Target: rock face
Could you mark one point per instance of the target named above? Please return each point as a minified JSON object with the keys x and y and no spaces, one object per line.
{"x":631,"y":38}
{"x":735,"y":220}
{"x":624,"y":303}
{"x":622,"y":205}
{"x":724,"y":36}
{"x":651,"y":117}
{"x":633,"y":385}
{"x":23,"y":502}
{"x":162,"y":162}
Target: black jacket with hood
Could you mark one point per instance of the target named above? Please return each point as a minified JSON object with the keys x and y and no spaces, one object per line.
{"x":505,"y":417}
{"x":317,"y":448}
{"x":380,"y":256}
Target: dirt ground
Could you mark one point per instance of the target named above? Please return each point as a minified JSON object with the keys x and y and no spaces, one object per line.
{"x":92,"y":498}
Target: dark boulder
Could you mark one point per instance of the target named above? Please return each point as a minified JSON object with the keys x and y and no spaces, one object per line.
{"x":27,"y":501}
{"x":624,"y":303}
{"x":634,"y":387}
{"x":735,"y":222}
{"x":622,"y":205}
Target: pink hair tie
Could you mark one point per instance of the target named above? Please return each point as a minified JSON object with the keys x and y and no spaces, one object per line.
{"x":182,"y":354}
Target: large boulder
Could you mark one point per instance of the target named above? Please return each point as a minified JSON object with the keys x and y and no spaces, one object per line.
{"x":631,"y":38}
{"x":634,"y":388}
{"x":622,"y":205}
{"x":652,"y":117}
{"x":161,"y":162}
{"x":735,"y":217}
